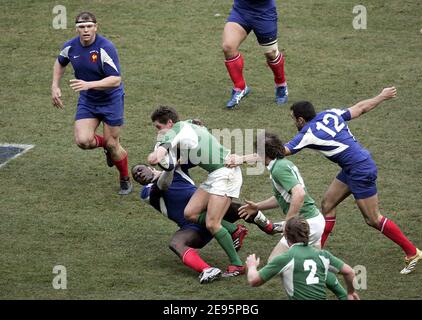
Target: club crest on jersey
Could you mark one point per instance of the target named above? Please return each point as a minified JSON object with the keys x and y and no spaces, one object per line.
{"x":94,"y":56}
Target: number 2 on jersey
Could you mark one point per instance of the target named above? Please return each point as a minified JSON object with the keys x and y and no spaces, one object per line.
{"x":326,"y":120}
{"x":310,"y":265}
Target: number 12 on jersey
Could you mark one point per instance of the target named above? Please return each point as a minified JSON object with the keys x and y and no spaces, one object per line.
{"x":326,"y":121}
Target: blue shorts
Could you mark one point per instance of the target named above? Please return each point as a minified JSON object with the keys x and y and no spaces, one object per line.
{"x":203,"y":232}
{"x":112,"y":114}
{"x":264,"y":26}
{"x":361,"y":178}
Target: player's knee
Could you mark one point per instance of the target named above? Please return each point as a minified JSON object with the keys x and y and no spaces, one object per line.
{"x":190,"y":214}
{"x":373,"y":221}
{"x":83,"y":142}
{"x":324,"y":207}
{"x":271,"y":55}
{"x":369,"y":222}
{"x":213,"y":225}
{"x":173,"y":245}
{"x":176,"y":247}
{"x":229,"y":49}
{"x":111,"y":144}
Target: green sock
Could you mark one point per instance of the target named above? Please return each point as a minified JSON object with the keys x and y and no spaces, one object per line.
{"x":231,"y":227}
{"x":225,"y":240}
{"x":201,"y":219}
{"x":335,"y":287}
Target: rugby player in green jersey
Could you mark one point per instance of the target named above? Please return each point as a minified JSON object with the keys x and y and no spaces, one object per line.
{"x":303,"y":268}
{"x":197,"y":146}
{"x":291,"y":195}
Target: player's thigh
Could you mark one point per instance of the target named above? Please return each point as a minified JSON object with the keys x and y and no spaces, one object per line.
{"x":232,"y":213}
{"x":111,"y":132}
{"x":280,"y":248}
{"x":84,"y":129}
{"x":370,"y":210}
{"x":233,"y":36}
{"x":217,"y":208}
{"x":335,"y":194}
{"x":112,"y":115}
{"x":265,"y":29}
{"x":198,"y":236}
{"x":197,"y":203}
{"x":184,"y":239}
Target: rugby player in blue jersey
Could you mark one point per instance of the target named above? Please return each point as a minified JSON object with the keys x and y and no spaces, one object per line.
{"x":98,"y":80}
{"x":259,"y":16}
{"x":328,"y":133}
{"x":169,"y":192}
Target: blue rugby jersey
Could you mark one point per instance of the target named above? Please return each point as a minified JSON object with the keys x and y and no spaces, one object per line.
{"x":173,"y":201}
{"x":92,"y":63}
{"x":329,"y":134}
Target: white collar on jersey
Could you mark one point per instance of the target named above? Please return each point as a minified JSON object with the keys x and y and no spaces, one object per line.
{"x":271,"y":164}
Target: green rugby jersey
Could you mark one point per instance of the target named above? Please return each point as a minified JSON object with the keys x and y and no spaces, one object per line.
{"x":284,"y":176}
{"x":197,"y":144}
{"x":303,"y":270}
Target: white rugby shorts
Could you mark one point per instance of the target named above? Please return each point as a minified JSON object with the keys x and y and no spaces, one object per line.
{"x":224,"y":182}
{"x":316,"y":229}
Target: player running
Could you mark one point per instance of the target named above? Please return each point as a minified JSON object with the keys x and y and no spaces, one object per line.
{"x":328,"y":133}
{"x":291,"y":196}
{"x":98,"y":80}
{"x":261,"y":18}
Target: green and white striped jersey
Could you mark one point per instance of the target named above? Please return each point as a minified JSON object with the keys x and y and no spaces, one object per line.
{"x":303,"y":270}
{"x":284,"y":176}
{"x":197,"y":145}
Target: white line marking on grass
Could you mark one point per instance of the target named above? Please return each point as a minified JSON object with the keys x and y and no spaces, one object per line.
{"x":25,"y":147}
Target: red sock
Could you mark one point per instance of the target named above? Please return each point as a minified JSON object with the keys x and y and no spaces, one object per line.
{"x":99,"y":141}
{"x":329,"y":226}
{"x":269,"y":228}
{"x":235,"y":68}
{"x":393,"y":232}
{"x":122,"y":166}
{"x":192,"y":260}
{"x":277,"y":66}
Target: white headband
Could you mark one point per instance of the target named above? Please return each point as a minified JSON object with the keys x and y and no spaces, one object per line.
{"x":85,"y":23}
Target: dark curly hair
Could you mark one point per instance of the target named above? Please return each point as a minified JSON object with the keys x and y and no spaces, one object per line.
{"x":163,"y":114}
{"x":274,"y":148}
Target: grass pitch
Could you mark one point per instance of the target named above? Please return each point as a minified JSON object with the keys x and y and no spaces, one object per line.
{"x":59,"y":204}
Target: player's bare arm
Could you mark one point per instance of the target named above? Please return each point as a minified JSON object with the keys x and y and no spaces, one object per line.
{"x":56,"y":93}
{"x":104,"y":84}
{"x":367,"y":105}
{"x":251,"y":208}
{"x":252,"y":262}
{"x":234,"y":160}
{"x":298,"y":196}
{"x":157,"y":155}
{"x":349,"y":274}
{"x":165,"y":180}
{"x":287,"y":151}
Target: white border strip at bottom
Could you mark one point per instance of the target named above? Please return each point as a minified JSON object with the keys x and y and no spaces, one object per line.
{"x":26,"y":148}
